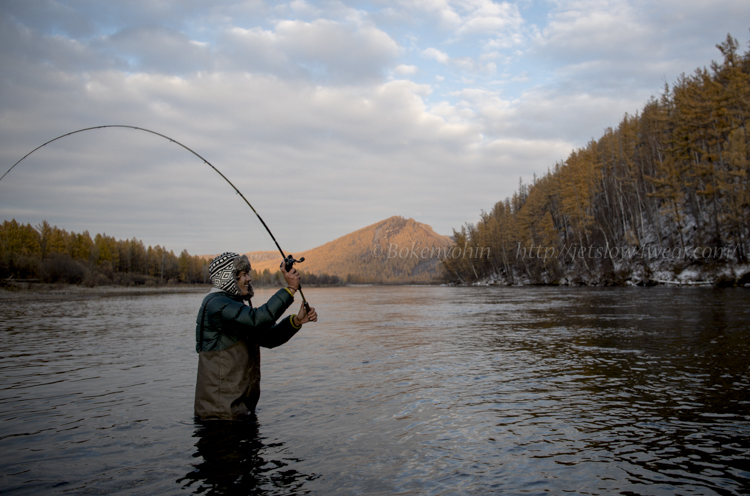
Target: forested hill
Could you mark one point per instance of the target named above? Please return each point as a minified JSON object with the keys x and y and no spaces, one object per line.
{"x":394,"y":250}
{"x":663,"y":197}
{"x":53,"y":255}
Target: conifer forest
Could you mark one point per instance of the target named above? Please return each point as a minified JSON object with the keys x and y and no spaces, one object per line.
{"x":49,"y":254}
{"x":662,"y":194}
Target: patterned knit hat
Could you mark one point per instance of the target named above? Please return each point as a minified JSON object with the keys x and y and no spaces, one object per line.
{"x":224,"y":269}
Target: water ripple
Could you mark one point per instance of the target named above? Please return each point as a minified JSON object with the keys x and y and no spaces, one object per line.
{"x":429,"y":391}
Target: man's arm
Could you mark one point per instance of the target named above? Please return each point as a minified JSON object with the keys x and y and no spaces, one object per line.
{"x":279,"y":334}
{"x":247,"y":321}
{"x":287,"y":327}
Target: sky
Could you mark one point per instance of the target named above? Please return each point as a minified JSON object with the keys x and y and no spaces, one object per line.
{"x":328,"y":116}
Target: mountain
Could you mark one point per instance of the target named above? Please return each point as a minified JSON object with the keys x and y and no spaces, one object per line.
{"x":253,"y":256}
{"x":394,"y":250}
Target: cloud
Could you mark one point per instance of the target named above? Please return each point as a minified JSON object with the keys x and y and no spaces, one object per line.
{"x":490,"y":18}
{"x":156,"y":50}
{"x":435,"y":54}
{"x":405,"y":70}
{"x":582,"y":30}
{"x":332,"y":147}
{"x":463,"y":64}
{"x":344,"y":51}
{"x":606,"y":45}
{"x":494,"y":25}
{"x":321,"y":50}
{"x":468,"y":16}
{"x":49,"y":16}
{"x":331,"y":51}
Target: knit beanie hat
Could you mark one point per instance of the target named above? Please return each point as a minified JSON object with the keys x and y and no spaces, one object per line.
{"x":224,"y":269}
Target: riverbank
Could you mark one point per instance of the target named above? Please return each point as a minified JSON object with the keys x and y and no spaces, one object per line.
{"x":629,"y":274}
{"x":21,"y":290}
{"x":40,"y":291}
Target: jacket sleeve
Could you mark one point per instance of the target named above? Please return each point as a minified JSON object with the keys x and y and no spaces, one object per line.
{"x":279,"y":334}
{"x":249,"y":322}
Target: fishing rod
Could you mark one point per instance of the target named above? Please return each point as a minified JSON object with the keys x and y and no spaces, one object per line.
{"x":289,"y":260}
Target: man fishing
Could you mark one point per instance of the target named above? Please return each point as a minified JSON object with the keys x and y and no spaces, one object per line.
{"x":229,"y":333}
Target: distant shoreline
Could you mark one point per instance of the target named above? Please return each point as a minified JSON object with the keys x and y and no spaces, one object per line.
{"x":41,"y":291}
{"x":25,"y":290}
{"x":70,"y":292}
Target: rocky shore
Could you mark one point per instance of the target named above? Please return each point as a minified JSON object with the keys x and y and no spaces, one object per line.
{"x":626,"y":274}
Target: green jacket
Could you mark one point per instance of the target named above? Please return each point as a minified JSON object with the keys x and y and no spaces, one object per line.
{"x":224,"y":319}
{"x":228,"y":336}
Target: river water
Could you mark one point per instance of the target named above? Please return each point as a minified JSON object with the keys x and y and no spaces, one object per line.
{"x":396,"y":390}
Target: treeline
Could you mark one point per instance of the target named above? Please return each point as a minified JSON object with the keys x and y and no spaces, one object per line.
{"x":268,"y":278}
{"x":666,"y":189}
{"x":50,"y":254}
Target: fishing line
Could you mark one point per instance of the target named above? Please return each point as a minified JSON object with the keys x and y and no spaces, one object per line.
{"x":289,"y":261}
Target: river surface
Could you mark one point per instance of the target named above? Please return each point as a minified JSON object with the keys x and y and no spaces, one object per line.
{"x":396,"y":390}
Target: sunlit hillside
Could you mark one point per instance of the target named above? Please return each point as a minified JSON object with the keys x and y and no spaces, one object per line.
{"x":395,"y":250}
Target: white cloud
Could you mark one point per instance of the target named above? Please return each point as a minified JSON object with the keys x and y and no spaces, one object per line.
{"x":604,"y":28}
{"x":156,"y":49}
{"x":649,"y":41}
{"x":462,"y":64}
{"x":405,"y":70}
{"x":490,"y":18}
{"x":468,"y":17}
{"x":331,"y":146}
{"x":322,"y":49}
{"x":435,"y":54}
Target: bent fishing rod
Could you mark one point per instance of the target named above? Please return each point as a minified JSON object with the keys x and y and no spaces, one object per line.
{"x":289,"y":260}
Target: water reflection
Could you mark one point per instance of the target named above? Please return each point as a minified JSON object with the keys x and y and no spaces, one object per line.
{"x":651,"y":384}
{"x":235,"y":459}
{"x":600,"y":391}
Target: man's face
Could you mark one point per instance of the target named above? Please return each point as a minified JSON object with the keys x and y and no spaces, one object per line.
{"x":243,"y":282}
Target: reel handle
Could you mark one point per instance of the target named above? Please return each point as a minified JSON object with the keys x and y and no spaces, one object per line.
{"x":289,"y":262}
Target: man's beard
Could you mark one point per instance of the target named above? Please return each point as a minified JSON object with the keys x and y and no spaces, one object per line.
{"x":250,"y":292}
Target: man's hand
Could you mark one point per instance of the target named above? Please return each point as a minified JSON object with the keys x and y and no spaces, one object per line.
{"x":292,"y":277}
{"x":303,"y":317}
